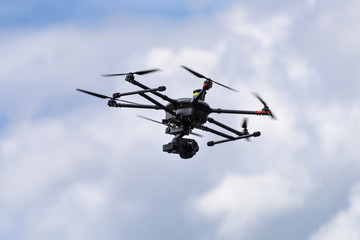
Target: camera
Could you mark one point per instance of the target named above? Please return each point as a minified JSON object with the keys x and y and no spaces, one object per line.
{"x":185,"y":147}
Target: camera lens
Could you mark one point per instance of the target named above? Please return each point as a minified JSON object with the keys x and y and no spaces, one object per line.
{"x":193,"y":146}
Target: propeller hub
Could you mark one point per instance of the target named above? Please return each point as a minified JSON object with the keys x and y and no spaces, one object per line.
{"x":207,"y":84}
{"x":130,"y":77}
{"x":116,"y":95}
{"x":266,"y":110}
{"x":208,"y":80}
{"x":244,"y":126}
{"x":112,"y":103}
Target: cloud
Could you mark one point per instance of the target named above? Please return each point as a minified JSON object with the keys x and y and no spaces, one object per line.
{"x":298,"y":71}
{"x":345,"y":224}
{"x":241,"y":202}
{"x":266,"y":31}
{"x":312,"y":4}
{"x":168,"y":59}
{"x":71,"y":164}
{"x":72,"y":176}
{"x":337,"y":133}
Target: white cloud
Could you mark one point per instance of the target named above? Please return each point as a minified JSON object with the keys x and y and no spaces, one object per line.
{"x":266,"y":31}
{"x":298,"y":72}
{"x":312,"y":4}
{"x":68,"y":160}
{"x":330,"y":19}
{"x":37,"y":156}
{"x":80,"y":211}
{"x":337,"y":127}
{"x":345,"y":224}
{"x":61,"y":172}
{"x":169,"y":59}
{"x":241,"y":202}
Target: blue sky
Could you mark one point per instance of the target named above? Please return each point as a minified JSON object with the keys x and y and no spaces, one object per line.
{"x":73,"y":168}
{"x":37,"y":13}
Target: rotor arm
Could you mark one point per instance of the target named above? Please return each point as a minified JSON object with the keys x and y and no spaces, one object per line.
{"x":213,"y":121}
{"x":212,"y":143}
{"x":246,"y":112}
{"x":207,"y":129}
{"x":158,"y":103}
{"x":113,"y":103}
{"x":118,"y":95}
{"x":132,"y":80}
{"x":201,"y":95}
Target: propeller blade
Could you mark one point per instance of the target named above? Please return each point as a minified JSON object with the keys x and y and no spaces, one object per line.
{"x":265,"y":105}
{"x":103,"y":96}
{"x":146,"y":71}
{"x":258,"y":97}
{"x":113,"y":75}
{"x":245,"y":124}
{"x":149,"y":119}
{"x":155,"y":121}
{"x":132,"y":73}
{"x":202,"y":76}
{"x":196,"y":134}
{"x":245,"y":131}
{"x":125,"y":101}
{"x":195,"y":73}
{"x":273,"y":116}
{"x":94,"y":94}
{"x":232,"y":89}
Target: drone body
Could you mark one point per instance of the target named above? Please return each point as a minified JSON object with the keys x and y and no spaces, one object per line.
{"x":184,"y":114}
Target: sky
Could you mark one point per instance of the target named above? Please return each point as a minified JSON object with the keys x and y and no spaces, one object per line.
{"x":73,"y":168}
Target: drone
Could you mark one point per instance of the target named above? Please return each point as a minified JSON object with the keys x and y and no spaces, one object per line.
{"x":183,"y":115}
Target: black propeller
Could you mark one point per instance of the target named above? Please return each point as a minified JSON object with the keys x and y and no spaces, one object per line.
{"x":103,"y":96}
{"x":245,"y":131}
{"x":202,"y":76}
{"x":266,"y":107}
{"x":132,"y":73}
{"x":152,"y":120}
{"x":155,"y":121}
{"x":244,"y":126}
